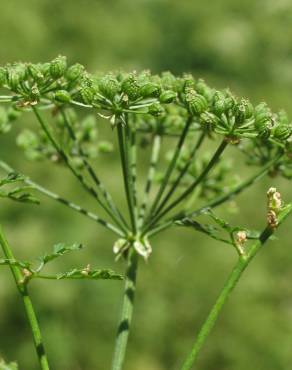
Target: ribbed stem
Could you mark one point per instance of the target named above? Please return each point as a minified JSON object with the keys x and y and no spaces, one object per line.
{"x":127,"y":311}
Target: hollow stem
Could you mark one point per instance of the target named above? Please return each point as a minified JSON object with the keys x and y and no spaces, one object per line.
{"x":29,"y":309}
{"x":127,"y":311}
{"x":64,"y":201}
{"x":229,"y":285}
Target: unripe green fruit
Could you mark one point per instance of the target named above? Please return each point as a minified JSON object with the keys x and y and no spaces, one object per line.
{"x":35,"y":72}
{"x":219,"y":103}
{"x":167,"y":96}
{"x":282,"y":132}
{"x":109,"y":86}
{"x":13,"y":79}
{"x":197,"y":103}
{"x":63,"y":96}
{"x":74,"y":72}
{"x":131,"y":87}
{"x":244,"y":110}
{"x":87,"y":94}
{"x":58,"y":67}
{"x":155,"y":109}
{"x":34,"y":93}
{"x":150,"y":89}
{"x":264,"y":133}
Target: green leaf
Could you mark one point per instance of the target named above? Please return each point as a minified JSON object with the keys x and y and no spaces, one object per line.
{"x":101,"y":274}
{"x":59,"y":250}
{"x":11,"y":178}
{"x":210,"y":230}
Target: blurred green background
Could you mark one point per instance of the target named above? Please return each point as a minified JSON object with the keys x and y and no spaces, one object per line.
{"x":245,"y":45}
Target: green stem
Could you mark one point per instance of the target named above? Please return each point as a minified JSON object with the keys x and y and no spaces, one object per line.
{"x":182,"y":173}
{"x":64,"y":201}
{"x":29,"y":310}
{"x":229,"y":285}
{"x":192,"y":187}
{"x":132,"y":160}
{"x":91,"y":171}
{"x":81,"y":179}
{"x":123,"y":146}
{"x":218,"y":200}
{"x":171,"y":166}
{"x":151,"y":173}
{"x":127,"y":311}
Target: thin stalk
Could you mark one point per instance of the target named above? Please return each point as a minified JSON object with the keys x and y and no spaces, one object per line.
{"x":126,"y":174}
{"x":171,"y":166}
{"x":127,"y":311}
{"x":229,"y":285}
{"x":218,"y":200}
{"x":151,"y":173}
{"x":182,"y":173}
{"x":81,"y":179}
{"x":133,"y":169}
{"x":192,"y":187}
{"x":90,"y":170}
{"x":29,"y":309}
{"x":64,"y":201}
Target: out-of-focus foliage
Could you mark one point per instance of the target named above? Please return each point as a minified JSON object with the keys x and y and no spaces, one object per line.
{"x":244,"y":45}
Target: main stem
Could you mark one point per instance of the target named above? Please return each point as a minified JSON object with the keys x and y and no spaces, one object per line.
{"x":29,"y":309}
{"x":127,"y":311}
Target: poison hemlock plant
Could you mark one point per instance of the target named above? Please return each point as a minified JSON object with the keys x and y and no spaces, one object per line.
{"x":143,"y":110}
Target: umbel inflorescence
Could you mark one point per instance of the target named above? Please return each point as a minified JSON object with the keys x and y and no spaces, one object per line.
{"x":145,"y":110}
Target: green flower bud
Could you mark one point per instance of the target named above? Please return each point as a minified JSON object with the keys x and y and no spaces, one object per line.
{"x":58,"y":67}
{"x":131,"y":87}
{"x":155,"y":109}
{"x":196,"y":103}
{"x":167,"y":96}
{"x":3,"y":75}
{"x":62,"y":96}
{"x":282,"y":132}
{"x":189,"y":82}
{"x":150,"y":89}
{"x":74,"y":72}
{"x":109,"y":86}
{"x":87,"y":94}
